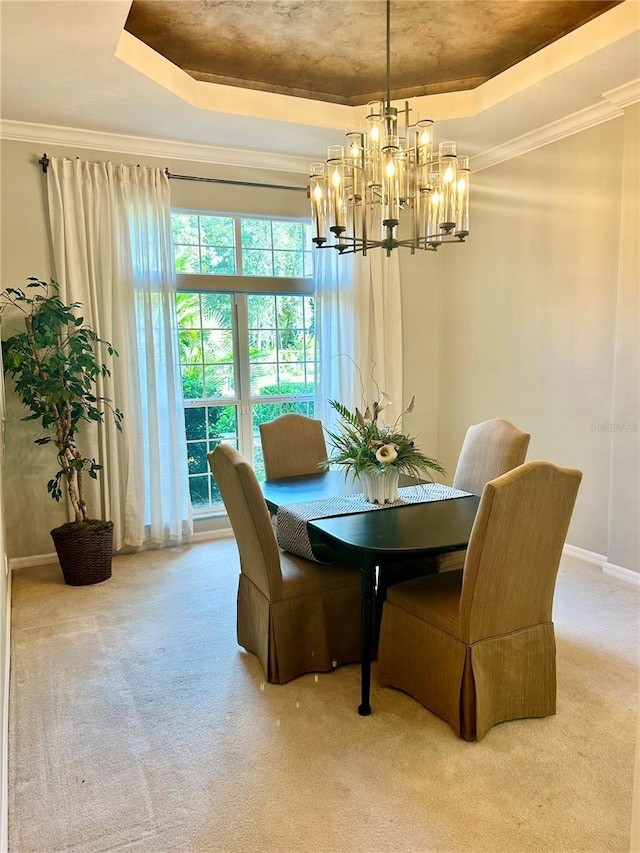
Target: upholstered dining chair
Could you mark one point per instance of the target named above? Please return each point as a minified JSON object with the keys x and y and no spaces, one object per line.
{"x":489,"y":449}
{"x":476,"y":646}
{"x":295,"y":615}
{"x":292,"y":445}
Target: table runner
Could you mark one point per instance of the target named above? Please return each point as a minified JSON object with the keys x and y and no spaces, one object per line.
{"x":292,"y":518}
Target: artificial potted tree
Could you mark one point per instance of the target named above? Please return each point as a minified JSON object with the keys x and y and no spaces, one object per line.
{"x":55,"y":364}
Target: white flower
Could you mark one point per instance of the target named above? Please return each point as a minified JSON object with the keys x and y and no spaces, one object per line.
{"x":386,"y":454}
{"x":385,"y":402}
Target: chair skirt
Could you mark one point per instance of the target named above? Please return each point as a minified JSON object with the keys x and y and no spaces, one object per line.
{"x":470,"y":686}
{"x":314,"y":632}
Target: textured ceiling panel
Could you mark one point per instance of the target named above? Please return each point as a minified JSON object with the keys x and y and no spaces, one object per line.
{"x":335,"y":51}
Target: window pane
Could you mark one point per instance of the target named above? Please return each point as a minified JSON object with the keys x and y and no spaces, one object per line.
{"x":223,"y":424}
{"x":287,"y":235}
{"x":188,"y":310}
{"x":292,"y":378}
{"x":262,"y":312}
{"x":199,"y":491}
{"x":197,"y":457}
{"x":300,"y":408}
{"x":288,"y":264}
{"x":217,"y":311}
{"x":219,"y":381}
{"x":217,"y":231}
{"x":290,"y":314}
{"x":262,"y":345}
{"x":192,"y":382}
{"x":184,"y":228}
{"x":255,"y":233}
{"x":190,"y":346}
{"x":195,"y":423}
{"x":257,"y":262}
{"x":218,"y":345}
{"x":309,"y":312}
{"x":187,"y":259}
{"x":258,"y":459}
{"x":263,"y":379}
{"x":218,"y":261}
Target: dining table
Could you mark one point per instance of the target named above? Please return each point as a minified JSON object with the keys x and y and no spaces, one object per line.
{"x":373,"y":537}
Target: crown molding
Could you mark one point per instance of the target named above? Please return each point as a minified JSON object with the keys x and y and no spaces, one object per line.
{"x":624,"y":96}
{"x":612,"y":106}
{"x":46,"y":134}
{"x":571,"y":124}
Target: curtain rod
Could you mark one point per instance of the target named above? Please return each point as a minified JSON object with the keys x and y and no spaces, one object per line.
{"x":44,"y":162}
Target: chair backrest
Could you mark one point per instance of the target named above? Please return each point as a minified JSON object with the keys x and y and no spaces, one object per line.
{"x":489,"y":449}
{"x":292,"y":445}
{"x":515,"y":548}
{"x":249,"y":517}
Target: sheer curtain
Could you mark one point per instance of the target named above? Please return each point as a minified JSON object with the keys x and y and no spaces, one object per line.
{"x":378,"y":324}
{"x":335,"y":310}
{"x":111,"y":237}
{"x":358,"y":330}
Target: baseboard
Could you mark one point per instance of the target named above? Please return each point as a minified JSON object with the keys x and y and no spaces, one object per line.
{"x":600,"y":560}
{"x":621,"y":573}
{"x":16,"y":563}
{"x":35,"y":560}
{"x":4,"y":770}
{"x":587,"y":556}
{"x":206,"y":535}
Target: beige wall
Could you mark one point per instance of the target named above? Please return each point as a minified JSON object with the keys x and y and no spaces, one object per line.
{"x":526,"y":320}
{"x":624,"y":523}
{"x":521,"y":322}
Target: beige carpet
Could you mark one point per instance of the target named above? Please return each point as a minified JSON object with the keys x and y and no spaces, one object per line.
{"x":138,"y":724}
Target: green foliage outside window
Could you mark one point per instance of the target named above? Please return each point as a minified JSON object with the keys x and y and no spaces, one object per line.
{"x":206,"y":244}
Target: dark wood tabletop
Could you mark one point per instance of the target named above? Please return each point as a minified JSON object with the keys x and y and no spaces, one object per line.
{"x":375,"y":538}
{"x":425,"y":528}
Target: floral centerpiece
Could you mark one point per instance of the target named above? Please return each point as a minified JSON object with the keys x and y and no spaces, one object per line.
{"x":377,"y":453}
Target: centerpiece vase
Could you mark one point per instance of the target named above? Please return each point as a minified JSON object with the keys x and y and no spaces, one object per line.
{"x":380,"y":485}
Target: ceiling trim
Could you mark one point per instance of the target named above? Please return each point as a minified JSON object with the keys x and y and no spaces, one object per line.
{"x":149,"y":147}
{"x":624,"y":96}
{"x":613,"y":105}
{"x":553,"y":132}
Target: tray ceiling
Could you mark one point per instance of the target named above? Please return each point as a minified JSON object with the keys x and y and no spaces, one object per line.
{"x":335,"y":51}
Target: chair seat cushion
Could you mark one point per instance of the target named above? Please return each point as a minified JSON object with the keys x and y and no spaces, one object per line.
{"x":302,"y":577}
{"x":434,"y":598}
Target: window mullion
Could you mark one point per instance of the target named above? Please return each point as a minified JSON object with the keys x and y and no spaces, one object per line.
{"x":245,"y":425}
{"x":238,"y":241}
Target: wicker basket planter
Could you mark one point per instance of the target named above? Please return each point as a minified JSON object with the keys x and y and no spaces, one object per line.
{"x":84,"y":550}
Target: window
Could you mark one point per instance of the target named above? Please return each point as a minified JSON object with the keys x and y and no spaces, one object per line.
{"x":246,"y":347}
{"x":237,"y":245}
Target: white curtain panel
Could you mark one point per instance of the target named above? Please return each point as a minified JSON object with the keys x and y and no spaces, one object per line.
{"x":358,"y":331}
{"x":111,"y":237}
{"x":335,"y":313}
{"x":379,"y":328}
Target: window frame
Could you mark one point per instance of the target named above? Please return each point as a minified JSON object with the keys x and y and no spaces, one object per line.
{"x":238,"y":287}
{"x":240,"y":282}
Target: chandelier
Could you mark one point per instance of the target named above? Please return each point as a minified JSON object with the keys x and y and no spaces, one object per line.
{"x":357,"y":196}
